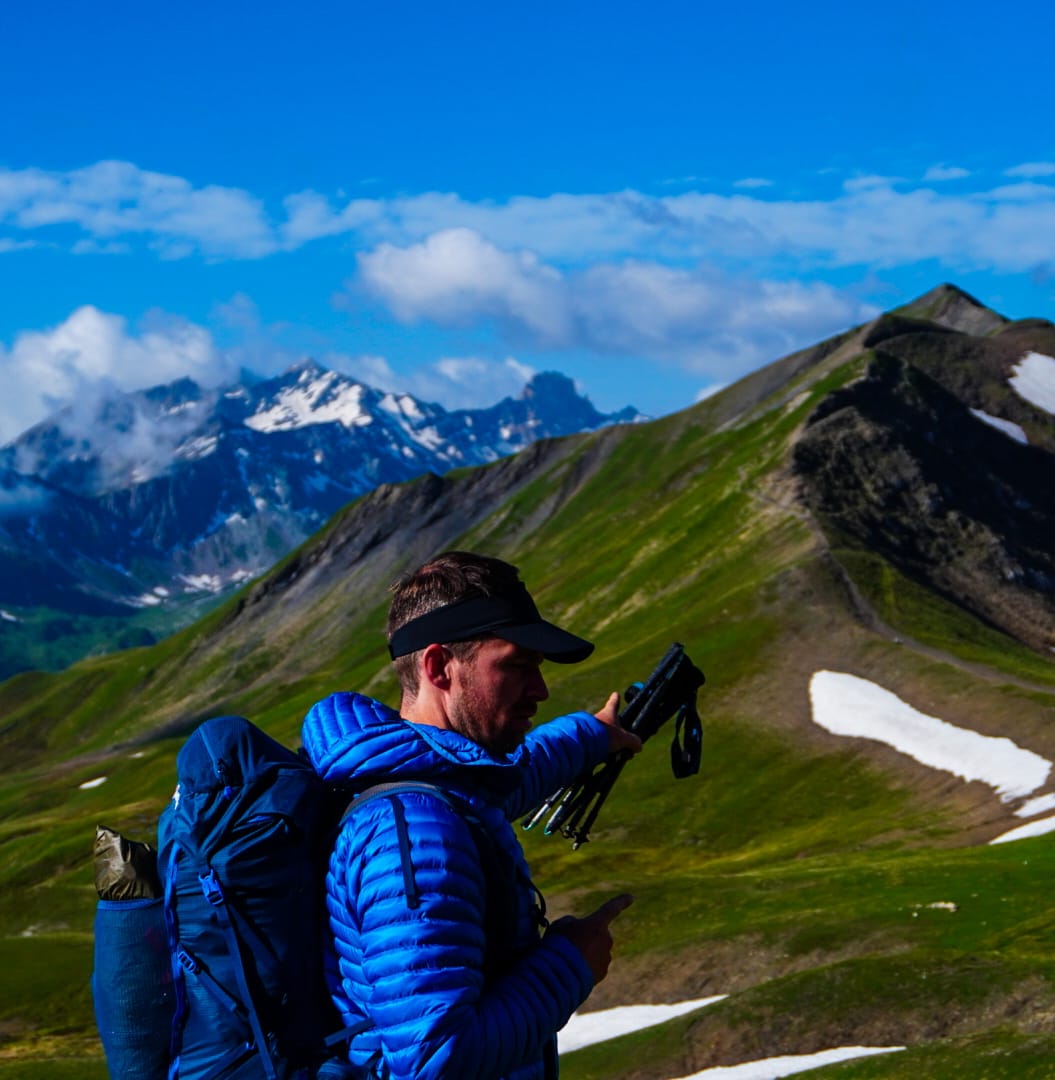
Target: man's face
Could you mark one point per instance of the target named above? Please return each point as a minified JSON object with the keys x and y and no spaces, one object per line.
{"x":495,"y":693}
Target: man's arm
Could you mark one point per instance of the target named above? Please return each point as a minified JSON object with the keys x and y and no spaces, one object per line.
{"x":563,"y":749}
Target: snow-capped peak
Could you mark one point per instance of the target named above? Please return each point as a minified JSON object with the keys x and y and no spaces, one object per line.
{"x":317,"y":397}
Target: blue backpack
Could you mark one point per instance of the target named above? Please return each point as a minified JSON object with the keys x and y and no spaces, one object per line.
{"x":242,"y":851}
{"x":238,"y":991}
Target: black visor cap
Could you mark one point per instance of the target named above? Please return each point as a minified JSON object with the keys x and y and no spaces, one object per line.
{"x":511,"y":617}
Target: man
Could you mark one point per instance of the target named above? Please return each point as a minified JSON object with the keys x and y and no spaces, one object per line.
{"x":443,"y":962}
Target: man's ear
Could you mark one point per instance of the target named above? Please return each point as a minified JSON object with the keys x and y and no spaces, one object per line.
{"x":436,"y":666}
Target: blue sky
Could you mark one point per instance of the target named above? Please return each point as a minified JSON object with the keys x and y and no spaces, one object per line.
{"x":653,"y":198}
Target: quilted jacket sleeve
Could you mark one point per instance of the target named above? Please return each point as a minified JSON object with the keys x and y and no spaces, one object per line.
{"x":410,"y":939}
{"x":558,"y":751}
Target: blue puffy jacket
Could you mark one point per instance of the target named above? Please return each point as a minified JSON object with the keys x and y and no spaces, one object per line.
{"x":415,"y":974}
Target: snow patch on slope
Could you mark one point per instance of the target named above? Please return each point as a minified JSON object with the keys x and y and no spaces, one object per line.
{"x":847,"y":705}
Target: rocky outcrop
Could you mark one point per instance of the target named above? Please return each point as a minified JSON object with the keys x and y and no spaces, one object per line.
{"x":898,"y":464}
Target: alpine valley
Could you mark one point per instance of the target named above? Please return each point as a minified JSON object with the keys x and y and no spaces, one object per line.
{"x":854,"y":544}
{"x":126,"y":517}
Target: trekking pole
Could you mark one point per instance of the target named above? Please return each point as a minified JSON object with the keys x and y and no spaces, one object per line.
{"x":670,"y":690}
{"x":577,"y":824}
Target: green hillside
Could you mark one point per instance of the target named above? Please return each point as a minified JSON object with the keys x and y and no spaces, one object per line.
{"x":797,"y":874}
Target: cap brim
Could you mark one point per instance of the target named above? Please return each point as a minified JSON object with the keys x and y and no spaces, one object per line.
{"x":554,"y":643}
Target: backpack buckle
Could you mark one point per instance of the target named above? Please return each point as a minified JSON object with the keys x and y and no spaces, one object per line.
{"x":211,"y":887}
{"x":187,"y":962}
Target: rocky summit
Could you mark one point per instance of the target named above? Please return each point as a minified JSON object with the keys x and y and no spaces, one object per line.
{"x":939,"y":459}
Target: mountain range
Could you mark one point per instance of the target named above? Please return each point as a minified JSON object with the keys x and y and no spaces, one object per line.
{"x":146,"y":506}
{"x":867,"y":868}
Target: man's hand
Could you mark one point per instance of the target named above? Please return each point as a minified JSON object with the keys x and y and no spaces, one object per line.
{"x":618,"y":737}
{"x":592,"y":936}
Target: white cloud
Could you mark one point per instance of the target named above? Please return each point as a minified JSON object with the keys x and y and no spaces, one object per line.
{"x":116,"y":198}
{"x":473,"y":382}
{"x":869,"y":180}
{"x":752,"y":182}
{"x":456,"y":277}
{"x":310,"y":217}
{"x":709,"y":391}
{"x":875,"y":221}
{"x":7,"y":244}
{"x":92,"y":351}
{"x":464,"y":382}
{"x":700,"y":319}
{"x":939,"y":173}
{"x":1032,"y":169}
{"x":1026,"y":191}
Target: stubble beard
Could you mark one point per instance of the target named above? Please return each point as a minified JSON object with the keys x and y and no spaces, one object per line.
{"x":469,"y":716}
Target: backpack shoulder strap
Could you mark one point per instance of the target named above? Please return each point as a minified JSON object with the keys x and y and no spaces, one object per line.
{"x":500,"y":878}
{"x":400,"y":787}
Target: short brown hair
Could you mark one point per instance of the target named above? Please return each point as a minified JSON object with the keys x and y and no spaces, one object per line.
{"x":446,"y":579}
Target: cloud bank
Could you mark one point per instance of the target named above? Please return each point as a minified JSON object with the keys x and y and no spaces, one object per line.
{"x":93,"y":351}
{"x":118,"y":199}
{"x":700,"y":319}
{"x":871,"y":220}
{"x":713,"y":282}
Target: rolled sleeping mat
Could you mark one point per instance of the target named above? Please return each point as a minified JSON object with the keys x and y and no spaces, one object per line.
{"x":132,"y":981}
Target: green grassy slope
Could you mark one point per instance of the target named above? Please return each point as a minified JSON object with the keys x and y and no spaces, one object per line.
{"x":795,"y":874}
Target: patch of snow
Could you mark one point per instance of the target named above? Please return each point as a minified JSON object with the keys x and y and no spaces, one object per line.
{"x":1040,"y":805}
{"x":1023,"y":832}
{"x":1034,"y":380}
{"x":196,"y":449}
{"x":1010,"y":429}
{"x":8,"y":617}
{"x":259,"y":503}
{"x":773,"y":1068}
{"x":848,"y":705}
{"x":160,"y":590}
{"x":403,"y":406}
{"x":140,"y":474}
{"x":302,"y":405}
{"x":89,"y":784}
{"x":201,"y":582}
{"x":242,"y":575}
{"x":585,"y":1029}
{"x":147,"y":600}
{"x":429,"y":438}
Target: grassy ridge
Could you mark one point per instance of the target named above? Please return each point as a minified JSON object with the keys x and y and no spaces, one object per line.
{"x":795,"y":873}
